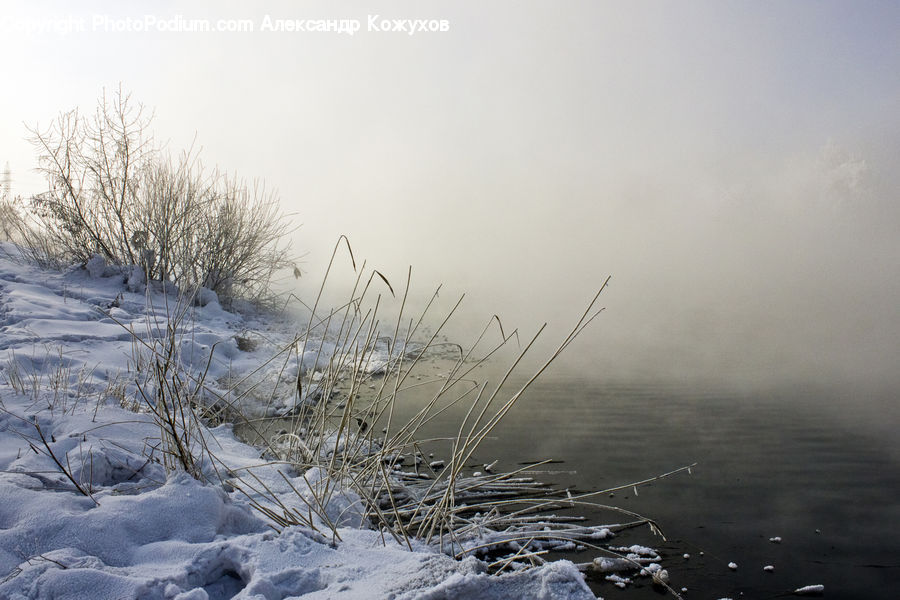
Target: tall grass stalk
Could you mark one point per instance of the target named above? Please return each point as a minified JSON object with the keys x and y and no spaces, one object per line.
{"x":351,"y":421}
{"x":350,"y":435}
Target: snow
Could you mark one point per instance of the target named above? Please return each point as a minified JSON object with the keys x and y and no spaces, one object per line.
{"x":96,"y":266}
{"x":641,"y":556}
{"x":810,"y":590}
{"x":661,"y":576}
{"x":620,"y":582}
{"x":66,"y":347}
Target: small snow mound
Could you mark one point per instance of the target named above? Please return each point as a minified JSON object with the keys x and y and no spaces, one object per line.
{"x":137,"y":280}
{"x":732,"y":566}
{"x":110,"y":466}
{"x":608,"y":565}
{"x":661,"y":577}
{"x":206,"y":296}
{"x":810,"y":590}
{"x":775,"y":540}
{"x":637,"y":549}
{"x":96,"y":266}
{"x":619,"y":582}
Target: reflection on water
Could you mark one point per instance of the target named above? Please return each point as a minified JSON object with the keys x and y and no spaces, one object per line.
{"x":820,"y":470}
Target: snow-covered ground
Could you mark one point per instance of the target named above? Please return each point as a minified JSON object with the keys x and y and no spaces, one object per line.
{"x":70,"y":343}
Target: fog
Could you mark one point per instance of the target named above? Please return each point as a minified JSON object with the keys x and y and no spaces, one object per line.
{"x":732,"y":166}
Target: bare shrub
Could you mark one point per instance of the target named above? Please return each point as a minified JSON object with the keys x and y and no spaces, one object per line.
{"x":239,"y":234}
{"x":93,"y":168}
{"x":172,"y":203}
{"x":112,"y":192}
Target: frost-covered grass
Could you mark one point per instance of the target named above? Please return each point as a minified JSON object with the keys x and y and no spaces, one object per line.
{"x":121,"y":476}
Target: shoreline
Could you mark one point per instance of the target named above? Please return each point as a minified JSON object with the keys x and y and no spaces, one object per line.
{"x":140,"y":532}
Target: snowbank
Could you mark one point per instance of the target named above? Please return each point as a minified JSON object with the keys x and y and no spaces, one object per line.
{"x":133,"y":531}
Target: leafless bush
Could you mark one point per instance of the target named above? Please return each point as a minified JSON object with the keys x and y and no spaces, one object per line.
{"x":238,"y":234}
{"x":112,"y":192}
{"x":93,"y":168}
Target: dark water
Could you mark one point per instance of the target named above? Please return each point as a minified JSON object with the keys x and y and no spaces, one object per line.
{"x":819,"y":468}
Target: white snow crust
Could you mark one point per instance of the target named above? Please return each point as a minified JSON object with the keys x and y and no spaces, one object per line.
{"x":143,"y":533}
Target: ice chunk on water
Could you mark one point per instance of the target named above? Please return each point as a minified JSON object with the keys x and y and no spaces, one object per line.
{"x":810,"y":590}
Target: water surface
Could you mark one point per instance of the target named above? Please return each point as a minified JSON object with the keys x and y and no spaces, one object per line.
{"x":819,"y":468}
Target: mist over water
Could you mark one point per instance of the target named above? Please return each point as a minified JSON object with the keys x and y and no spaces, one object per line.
{"x":733,"y":168}
{"x":785,"y":272}
{"x":741,"y":195}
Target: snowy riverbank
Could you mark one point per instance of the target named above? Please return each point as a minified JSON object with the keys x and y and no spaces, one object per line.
{"x":69,"y":341}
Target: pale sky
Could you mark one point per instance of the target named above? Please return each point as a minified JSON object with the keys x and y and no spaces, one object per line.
{"x":731,"y":164}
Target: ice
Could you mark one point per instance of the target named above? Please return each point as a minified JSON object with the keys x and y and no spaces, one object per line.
{"x":620,"y":582}
{"x":810,"y":590}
